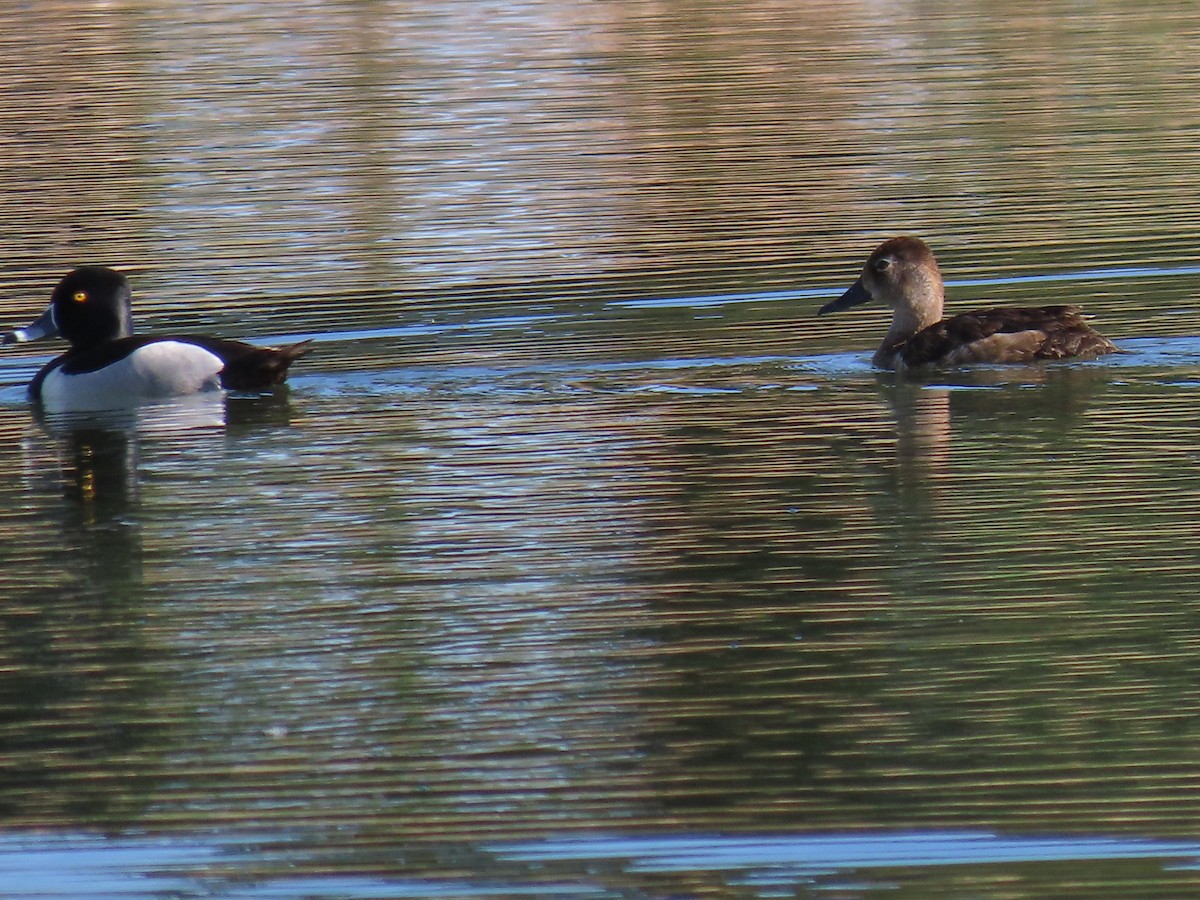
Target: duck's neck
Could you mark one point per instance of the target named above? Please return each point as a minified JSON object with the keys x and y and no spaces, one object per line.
{"x":918,"y":308}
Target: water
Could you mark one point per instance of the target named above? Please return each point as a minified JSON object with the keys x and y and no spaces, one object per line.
{"x":581,"y":559}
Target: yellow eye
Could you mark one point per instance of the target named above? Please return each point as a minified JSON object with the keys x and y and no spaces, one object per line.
{"x":80,"y":296}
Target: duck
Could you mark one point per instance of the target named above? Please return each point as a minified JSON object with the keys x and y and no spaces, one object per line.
{"x":108,"y":366}
{"x":903,"y":273}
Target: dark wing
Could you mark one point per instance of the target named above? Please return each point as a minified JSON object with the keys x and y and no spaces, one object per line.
{"x":247,"y":367}
{"x":1006,"y":334}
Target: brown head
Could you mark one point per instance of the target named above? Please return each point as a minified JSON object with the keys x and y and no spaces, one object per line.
{"x":903,"y":274}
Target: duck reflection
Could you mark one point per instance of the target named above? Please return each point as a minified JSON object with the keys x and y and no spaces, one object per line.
{"x":1040,"y":405}
{"x":821,"y":537}
{"x":100,"y":491}
{"x":81,"y":677}
{"x":74,"y":687}
{"x":923,"y":439}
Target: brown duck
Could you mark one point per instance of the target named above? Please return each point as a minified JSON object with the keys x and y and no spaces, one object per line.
{"x":903,"y":274}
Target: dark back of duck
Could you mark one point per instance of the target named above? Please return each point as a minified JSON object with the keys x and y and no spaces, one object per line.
{"x":1005,"y":335}
{"x":251,"y":368}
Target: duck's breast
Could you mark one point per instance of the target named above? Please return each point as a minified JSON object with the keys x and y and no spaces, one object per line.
{"x":151,"y":370}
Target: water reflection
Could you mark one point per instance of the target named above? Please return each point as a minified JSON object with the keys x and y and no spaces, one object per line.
{"x":664,"y":595}
{"x":832,"y":862}
{"x":534,"y":561}
{"x":81,"y":733}
{"x":75,"y":693}
{"x":879,"y":574}
{"x":1031,"y":405}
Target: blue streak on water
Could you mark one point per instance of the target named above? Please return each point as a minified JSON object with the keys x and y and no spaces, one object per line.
{"x":500,"y":323}
{"x":99,"y":868}
{"x":711,"y":301}
{"x":703,"y":302}
{"x":841,"y":852}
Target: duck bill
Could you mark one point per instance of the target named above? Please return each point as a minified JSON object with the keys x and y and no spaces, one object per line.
{"x":856,"y":295}
{"x":43,"y":326}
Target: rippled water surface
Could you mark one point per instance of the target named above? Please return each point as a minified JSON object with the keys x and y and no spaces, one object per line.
{"x":581,"y":559}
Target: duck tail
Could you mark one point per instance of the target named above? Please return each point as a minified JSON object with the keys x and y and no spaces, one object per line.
{"x":259,"y":368}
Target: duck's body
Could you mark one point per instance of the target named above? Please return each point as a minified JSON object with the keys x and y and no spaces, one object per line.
{"x":903,"y":273}
{"x":109,"y":367}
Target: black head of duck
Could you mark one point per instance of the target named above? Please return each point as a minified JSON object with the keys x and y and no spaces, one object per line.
{"x":903,"y":273}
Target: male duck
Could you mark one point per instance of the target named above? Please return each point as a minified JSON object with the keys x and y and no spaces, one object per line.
{"x":110,"y":367}
{"x":903,"y":274}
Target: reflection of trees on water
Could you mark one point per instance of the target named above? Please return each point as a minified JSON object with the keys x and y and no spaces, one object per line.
{"x":745,"y":609}
{"x":83,"y":730}
{"x":900,"y":600}
{"x":74,"y":690}
{"x":584,"y":149}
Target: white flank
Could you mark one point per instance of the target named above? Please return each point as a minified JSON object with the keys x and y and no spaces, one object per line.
{"x":152,"y":372}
